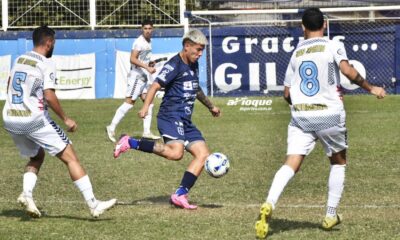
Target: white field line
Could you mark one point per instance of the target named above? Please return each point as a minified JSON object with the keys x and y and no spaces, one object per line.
{"x":236,"y":205}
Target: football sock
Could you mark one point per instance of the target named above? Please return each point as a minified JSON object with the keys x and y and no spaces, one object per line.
{"x":119,"y":114}
{"x":147,"y":119}
{"x":187,"y":182}
{"x":281,"y":179}
{"x":335,"y":188}
{"x":134,"y":143}
{"x":28,"y":184}
{"x":85,"y":186}
{"x":141,"y":145}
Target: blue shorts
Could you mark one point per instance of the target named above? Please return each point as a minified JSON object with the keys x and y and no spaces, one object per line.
{"x":175,"y":128}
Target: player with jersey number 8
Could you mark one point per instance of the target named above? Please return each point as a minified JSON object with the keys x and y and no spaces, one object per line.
{"x":312,"y":90}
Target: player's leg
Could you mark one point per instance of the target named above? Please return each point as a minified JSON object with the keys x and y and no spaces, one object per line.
{"x":335,"y":145}
{"x":300,"y":144}
{"x":147,"y":119}
{"x":134,"y":88}
{"x":172,"y":148}
{"x":56,"y":142}
{"x":30,"y":149}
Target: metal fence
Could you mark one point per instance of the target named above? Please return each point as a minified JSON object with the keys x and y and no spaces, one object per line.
{"x":76,"y":14}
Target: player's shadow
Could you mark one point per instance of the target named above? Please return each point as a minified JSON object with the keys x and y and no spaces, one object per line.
{"x":283,"y":225}
{"x":17,"y":213}
{"x":162,"y":200}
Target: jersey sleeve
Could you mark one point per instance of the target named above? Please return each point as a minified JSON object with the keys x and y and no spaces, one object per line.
{"x":49,"y":75}
{"x":338,"y":51}
{"x":167,"y":74}
{"x":289,"y":75}
{"x":136,"y":45}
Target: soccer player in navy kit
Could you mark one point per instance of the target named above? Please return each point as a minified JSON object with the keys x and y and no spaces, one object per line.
{"x":179,"y":77}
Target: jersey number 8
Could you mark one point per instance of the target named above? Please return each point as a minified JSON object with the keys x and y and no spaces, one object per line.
{"x":309,"y":82}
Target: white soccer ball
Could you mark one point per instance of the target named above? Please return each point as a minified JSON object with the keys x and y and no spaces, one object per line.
{"x":217,"y":165}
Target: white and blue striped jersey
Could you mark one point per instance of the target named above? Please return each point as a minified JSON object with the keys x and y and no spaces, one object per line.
{"x":313,"y":77}
{"x":25,"y":109}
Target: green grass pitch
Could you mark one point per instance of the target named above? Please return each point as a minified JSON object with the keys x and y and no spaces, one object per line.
{"x":254,"y":141}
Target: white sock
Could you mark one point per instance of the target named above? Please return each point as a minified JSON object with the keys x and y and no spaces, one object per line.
{"x":147,"y":119}
{"x":282,"y":177}
{"x":85,"y":186}
{"x":335,"y":188}
{"x":28,"y":183}
{"x":120,"y":114}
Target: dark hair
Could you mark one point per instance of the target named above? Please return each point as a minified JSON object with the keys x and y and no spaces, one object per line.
{"x":41,"y":34}
{"x":147,"y":22}
{"x":313,"y":19}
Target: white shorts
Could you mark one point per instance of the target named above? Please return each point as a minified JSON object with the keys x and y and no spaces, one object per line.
{"x":333,"y":140}
{"x":51,"y":138}
{"x":137,"y":83}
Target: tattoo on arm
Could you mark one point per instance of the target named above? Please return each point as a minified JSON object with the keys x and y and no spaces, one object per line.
{"x":359,"y":80}
{"x":204,"y":99}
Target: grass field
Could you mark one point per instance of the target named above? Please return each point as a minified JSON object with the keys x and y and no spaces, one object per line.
{"x":255,"y":142}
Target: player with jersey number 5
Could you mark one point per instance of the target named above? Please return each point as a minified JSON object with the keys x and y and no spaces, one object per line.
{"x":30,"y":92}
{"x":138,"y":80}
{"x":180,"y":78}
{"x":312,"y":90}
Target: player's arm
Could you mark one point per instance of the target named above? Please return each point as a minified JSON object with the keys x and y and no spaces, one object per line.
{"x":135,"y":60}
{"x":155,"y":86}
{"x":286,"y":95}
{"x":52,"y":100}
{"x":215,"y":111}
{"x":354,"y":76}
{"x":8,"y":84}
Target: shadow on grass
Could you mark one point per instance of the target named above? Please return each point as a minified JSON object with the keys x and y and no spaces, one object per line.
{"x":17,"y":213}
{"x":162,"y":200}
{"x":283,"y":225}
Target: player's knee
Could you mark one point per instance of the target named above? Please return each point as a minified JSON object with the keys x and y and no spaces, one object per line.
{"x":39,"y":156}
{"x":176,"y":156}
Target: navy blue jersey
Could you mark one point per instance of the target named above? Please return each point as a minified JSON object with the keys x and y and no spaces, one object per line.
{"x":181,"y":83}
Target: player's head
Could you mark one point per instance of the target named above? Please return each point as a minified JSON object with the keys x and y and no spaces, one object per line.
{"x":43,"y":38}
{"x":193,"y":43}
{"x":313,"y":19}
{"x":147,"y":28}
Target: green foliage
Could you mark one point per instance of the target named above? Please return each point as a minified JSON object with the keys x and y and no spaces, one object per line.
{"x":254,"y":141}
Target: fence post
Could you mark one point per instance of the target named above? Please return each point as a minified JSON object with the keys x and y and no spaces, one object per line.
{"x":4,"y":13}
{"x":183,"y":20}
{"x":92,"y":7}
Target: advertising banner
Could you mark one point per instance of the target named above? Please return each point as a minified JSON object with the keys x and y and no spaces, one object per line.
{"x":123,"y":66}
{"x":5,"y":67}
{"x":253,"y":60}
{"x":75,"y":76}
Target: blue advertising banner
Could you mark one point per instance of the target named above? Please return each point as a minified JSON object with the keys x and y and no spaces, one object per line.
{"x":253,"y":60}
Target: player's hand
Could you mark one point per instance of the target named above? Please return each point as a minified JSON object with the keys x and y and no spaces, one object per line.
{"x":378,"y":92}
{"x":151,"y":70}
{"x":215,"y":111}
{"x":143,"y":112}
{"x":71,"y":125}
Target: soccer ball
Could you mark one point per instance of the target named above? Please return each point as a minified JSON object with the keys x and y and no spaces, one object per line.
{"x":217,"y":165}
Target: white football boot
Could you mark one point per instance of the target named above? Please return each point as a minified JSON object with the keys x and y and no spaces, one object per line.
{"x":29,"y":205}
{"x":110,"y":134}
{"x":102,"y":206}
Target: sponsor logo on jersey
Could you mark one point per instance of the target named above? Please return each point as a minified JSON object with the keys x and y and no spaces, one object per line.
{"x":187,"y":85}
{"x":169,"y":67}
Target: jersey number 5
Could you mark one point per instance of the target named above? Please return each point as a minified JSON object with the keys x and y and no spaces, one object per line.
{"x":19,"y":77}
{"x":309,"y":78}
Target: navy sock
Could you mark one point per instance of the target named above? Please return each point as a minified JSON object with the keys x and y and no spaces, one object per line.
{"x":146,"y":145}
{"x":133,"y":142}
{"x":187,"y":182}
{"x":142,"y":144}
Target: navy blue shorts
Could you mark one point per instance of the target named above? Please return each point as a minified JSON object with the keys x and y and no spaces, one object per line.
{"x":174,"y":128}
